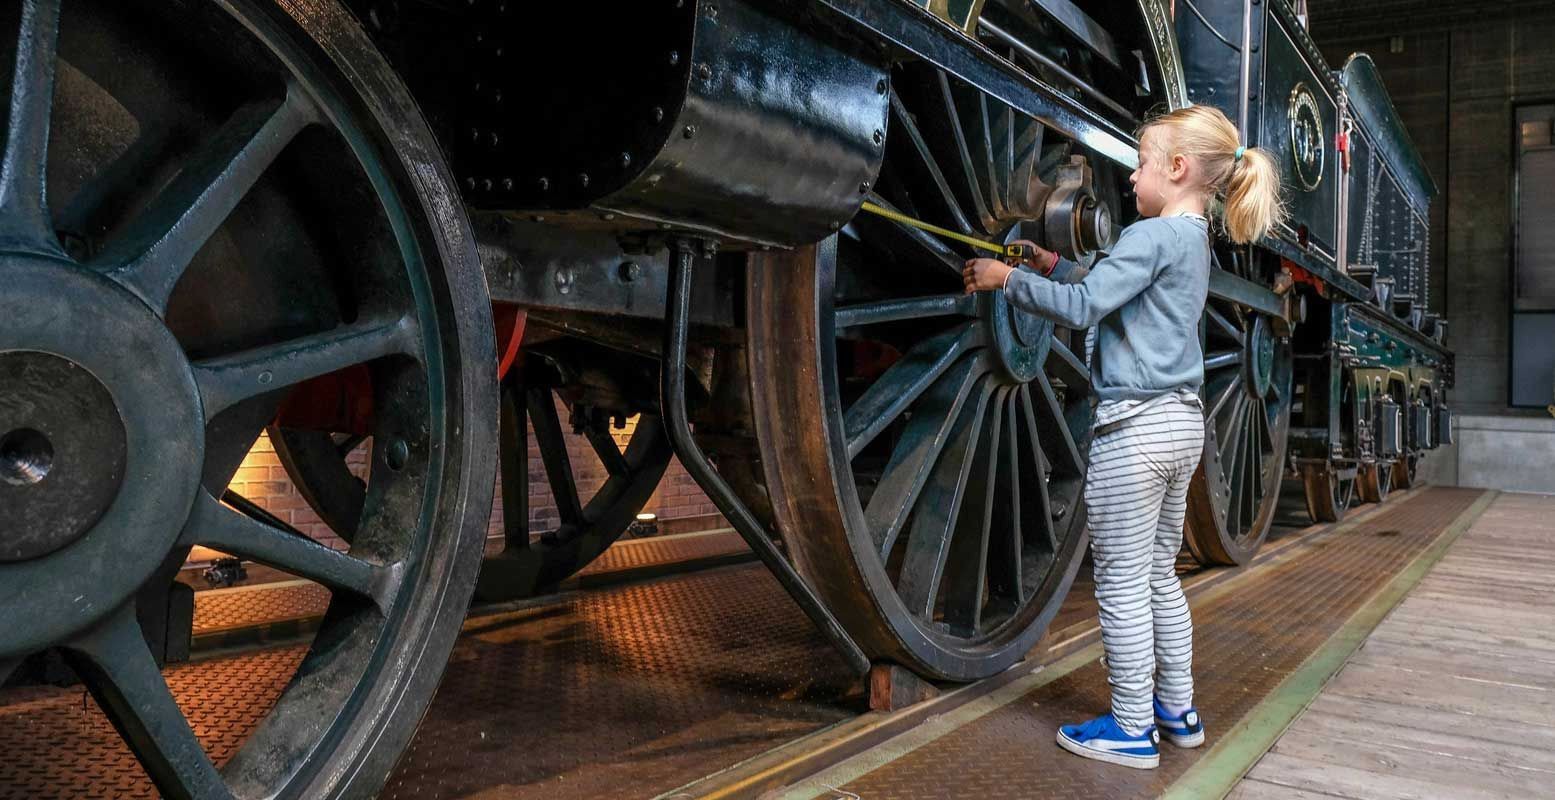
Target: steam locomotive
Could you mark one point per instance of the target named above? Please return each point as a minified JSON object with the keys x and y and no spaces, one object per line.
{"x":422,"y":227}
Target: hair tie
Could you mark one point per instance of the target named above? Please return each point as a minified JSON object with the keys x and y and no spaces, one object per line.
{"x":1239,"y":152}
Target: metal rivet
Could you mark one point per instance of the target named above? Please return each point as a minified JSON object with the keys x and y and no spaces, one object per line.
{"x":469,"y":183}
{"x":665,"y":226}
{"x":396,"y":454}
{"x":507,"y":184}
{"x":880,"y":86}
{"x":863,"y":188}
{"x":704,"y":72}
{"x":879,"y":136}
{"x":545,"y":184}
{"x":265,"y":378}
{"x":674,"y":57}
{"x":689,"y":132}
{"x":537,"y":218}
{"x":607,"y":216}
{"x":710,"y":11}
{"x":626,"y":159}
{"x":629,"y":271}
{"x":486,"y":184}
{"x":475,"y":134}
{"x":583,"y":179}
{"x":658,"y":114}
{"x":495,"y":139}
{"x":564,"y":281}
{"x":834,"y":225}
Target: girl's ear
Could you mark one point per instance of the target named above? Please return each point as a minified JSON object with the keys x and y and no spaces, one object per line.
{"x":1177,"y":168}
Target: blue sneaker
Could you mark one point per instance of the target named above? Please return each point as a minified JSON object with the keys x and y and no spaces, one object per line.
{"x":1103,"y":740}
{"x":1184,"y":731}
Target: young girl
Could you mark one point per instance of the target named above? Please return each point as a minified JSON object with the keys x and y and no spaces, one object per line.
{"x":1146,"y":298}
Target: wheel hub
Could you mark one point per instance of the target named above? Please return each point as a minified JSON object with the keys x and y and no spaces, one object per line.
{"x":101,"y":446}
{"x":1259,"y":358}
{"x":1019,"y":340}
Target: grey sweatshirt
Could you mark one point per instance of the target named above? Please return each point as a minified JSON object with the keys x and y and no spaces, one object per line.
{"x":1146,"y":297}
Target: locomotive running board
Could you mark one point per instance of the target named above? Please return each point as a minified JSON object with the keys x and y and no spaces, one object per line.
{"x":672,"y":386}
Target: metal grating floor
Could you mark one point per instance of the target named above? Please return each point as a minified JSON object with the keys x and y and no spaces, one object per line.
{"x":632,"y":690}
{"x":218,"y":611}
{"x":1246,"y":643}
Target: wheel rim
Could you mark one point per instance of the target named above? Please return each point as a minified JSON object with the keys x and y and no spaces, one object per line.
{"x":1374,"y":481}
{"x":1328,"y":495}
{"x":176,"y":351}
{"x":1247,"y":398}
{"x":529,"y":564}
{"x":915,"y":513}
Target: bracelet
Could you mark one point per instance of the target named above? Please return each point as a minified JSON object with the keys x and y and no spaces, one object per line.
{"x":1052,"y":266}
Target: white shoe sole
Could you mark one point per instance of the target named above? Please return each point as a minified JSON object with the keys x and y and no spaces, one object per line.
{"x":1121,"y":759}
{"x":1188,"y":742}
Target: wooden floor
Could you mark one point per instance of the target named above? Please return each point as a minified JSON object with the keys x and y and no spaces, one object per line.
{"x":1453,"y":695}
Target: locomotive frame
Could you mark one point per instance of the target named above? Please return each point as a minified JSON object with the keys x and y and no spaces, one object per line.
{"x":668,"y":228}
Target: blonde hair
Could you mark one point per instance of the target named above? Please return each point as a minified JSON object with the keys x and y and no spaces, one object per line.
{"x":1246,"y":180}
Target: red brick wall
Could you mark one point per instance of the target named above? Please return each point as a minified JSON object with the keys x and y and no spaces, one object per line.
{"x":263,"y":480}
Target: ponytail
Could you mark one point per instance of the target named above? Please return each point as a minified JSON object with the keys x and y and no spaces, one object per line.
{"x":1253,"y":205}
{"x":1245,"y":179}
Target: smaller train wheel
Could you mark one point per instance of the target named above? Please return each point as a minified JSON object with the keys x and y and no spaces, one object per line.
{"x":530,"y":563}
{"x":1247,"y":400}
{"x":1406,"y":471}
{"x":1329,"y":491}
{"x":1373,"y":481}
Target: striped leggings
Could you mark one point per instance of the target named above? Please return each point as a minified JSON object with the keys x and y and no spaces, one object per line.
{"x":1136,"y":494}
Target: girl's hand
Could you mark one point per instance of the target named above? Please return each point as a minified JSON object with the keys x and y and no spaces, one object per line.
{"x":985,"y":274}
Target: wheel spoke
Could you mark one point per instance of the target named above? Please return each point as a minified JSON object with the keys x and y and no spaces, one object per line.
{"x":1042,"y":509}
{"x":1233,"y":446}
{"x":1233,"y":389}
{"x":1053,"y":428}
{"x":1221,"y":360}
{"x":214,"y":525}
{"x":1223,"y":323}
{"x":905,"y":240}
{"x":903,"y":383}
{"x":935,"y":516}
{"x":1067,"y":366}
{"x":969,"y":189}
{"x":1006,"y":545}
{"x":116,"y":665}
{"x":1255,"y":462}
{"x":344,"y":447}
{"x":553,"y":452}
{"x":257,"y":513}
{"x":977,"y":124}
{"x":1027,"y":154}
{"x":24,"y":214}
{"x":228,"y":380}
{"x":904,"y":124}
{"x":513,"y":451}
{"x":606,"y":449}
{"x":917,"y":451}
{"x":943,"y":305}
{"x":966,"y":563}
{"x":8,"y":666}
{"x":152,"y":255}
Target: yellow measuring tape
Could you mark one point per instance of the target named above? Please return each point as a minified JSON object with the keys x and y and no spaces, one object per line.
{"x":1006,"y":251}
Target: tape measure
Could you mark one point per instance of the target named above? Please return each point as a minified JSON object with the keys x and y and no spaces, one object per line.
{"x":1011,"y":251}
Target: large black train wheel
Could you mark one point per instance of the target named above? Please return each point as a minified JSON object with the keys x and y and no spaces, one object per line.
{"x":925,"y":451}
{"x":203,"y":204}
{"x":1247,"y":401}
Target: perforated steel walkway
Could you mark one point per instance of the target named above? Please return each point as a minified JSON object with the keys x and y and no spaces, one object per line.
{"x":636,"y":689}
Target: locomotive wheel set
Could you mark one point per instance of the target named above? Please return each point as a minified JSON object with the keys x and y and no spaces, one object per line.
{"x":225,"y":217}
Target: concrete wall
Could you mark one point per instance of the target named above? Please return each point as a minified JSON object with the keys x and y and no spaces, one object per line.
{"x":1515,"y":454}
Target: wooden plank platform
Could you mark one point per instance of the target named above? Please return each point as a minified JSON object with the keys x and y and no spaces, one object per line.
{"x":1453,"y":695}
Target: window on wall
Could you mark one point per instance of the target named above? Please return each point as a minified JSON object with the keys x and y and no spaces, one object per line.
{"x":1532,"y":381}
